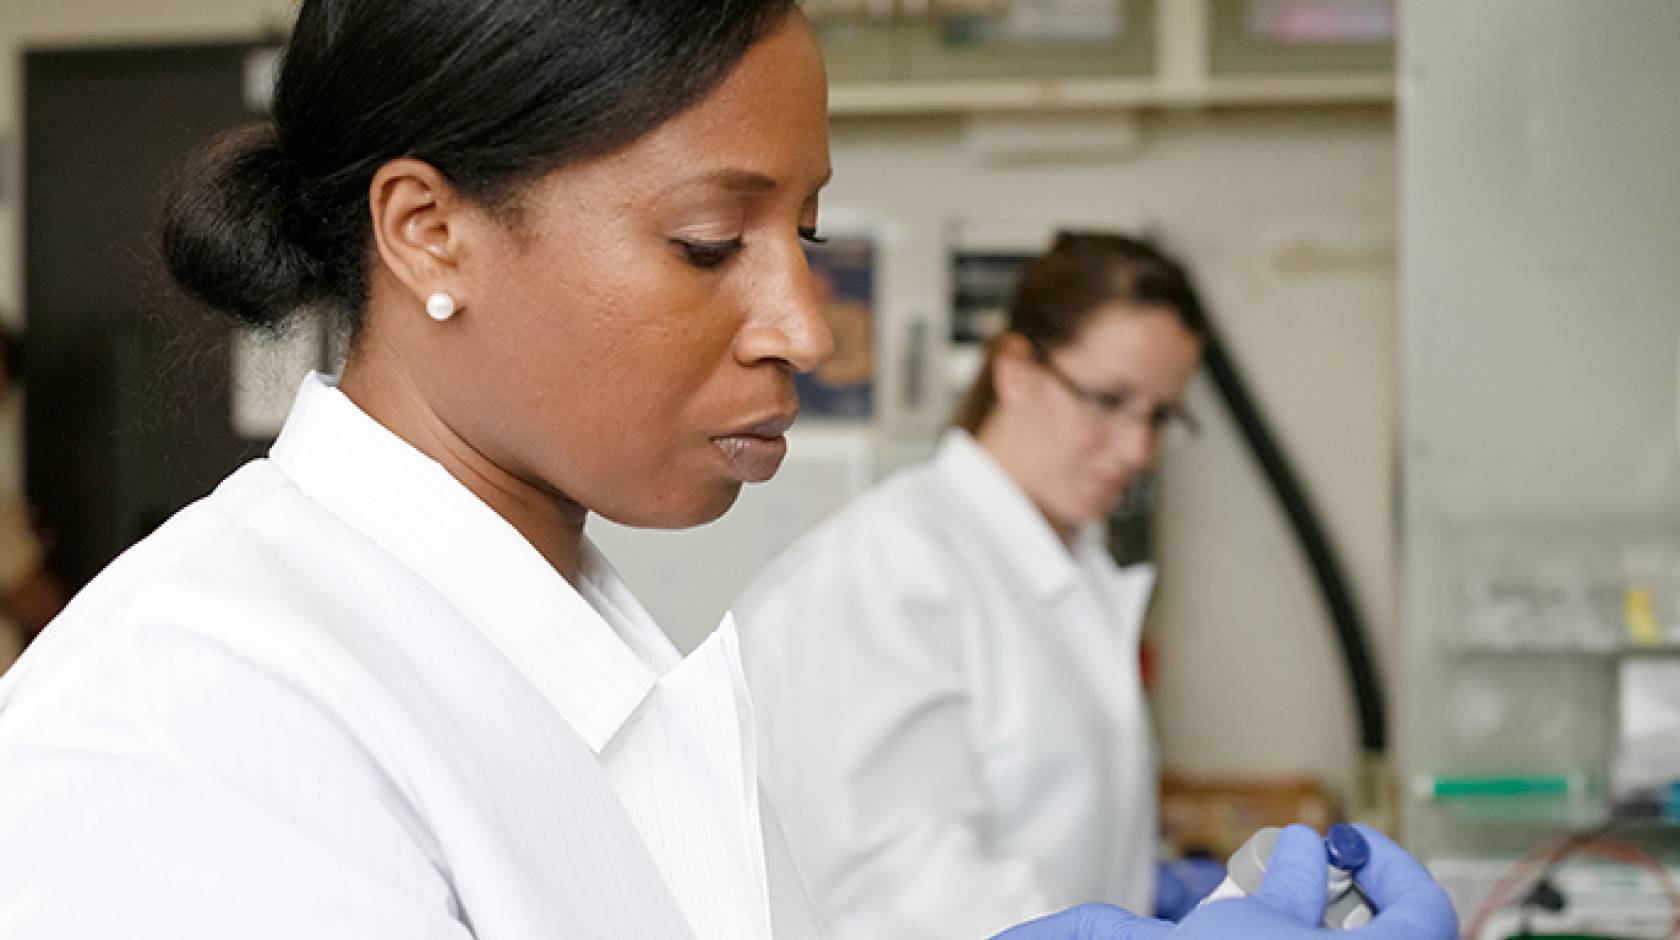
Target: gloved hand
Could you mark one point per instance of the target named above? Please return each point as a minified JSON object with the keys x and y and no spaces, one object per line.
{"x":1288,"y":906}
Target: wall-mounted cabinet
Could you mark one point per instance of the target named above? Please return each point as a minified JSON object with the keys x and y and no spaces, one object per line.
{"x":1024,"y":39}
{"x":906,"y":56}
{"x":1321,"y":37}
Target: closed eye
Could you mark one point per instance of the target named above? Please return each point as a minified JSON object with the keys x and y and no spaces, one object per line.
{"x":1110,"y":403}
{"x":1114,"y":403}
{"x":708,"y":254}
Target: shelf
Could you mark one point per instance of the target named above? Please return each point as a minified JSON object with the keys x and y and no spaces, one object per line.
{"x":858,"y":98}
{"x":1606,"y":652}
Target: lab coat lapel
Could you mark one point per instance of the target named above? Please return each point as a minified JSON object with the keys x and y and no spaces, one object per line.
{"x":1124,"y":592}
{"x":1013,"y":525}
{"x":1099,"y":608}
{"x":1088,"y":615}
{"x":1104,"y":617}
{"x":380,"y":484}
{"x":698,"y":716}
{"x":413,"y":510}
{"x":592,"y":652}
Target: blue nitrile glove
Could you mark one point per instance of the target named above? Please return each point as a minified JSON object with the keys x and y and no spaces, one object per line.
{"x":1182,"y":883}
{"x":1288,"y":906}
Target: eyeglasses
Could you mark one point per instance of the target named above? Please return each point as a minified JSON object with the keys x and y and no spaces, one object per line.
{"x":1112,"y":405}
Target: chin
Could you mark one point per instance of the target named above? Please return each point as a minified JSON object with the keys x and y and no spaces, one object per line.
{"x":1106,"y":502}
{"x":708,"y":509}
{"x":679,"y":510}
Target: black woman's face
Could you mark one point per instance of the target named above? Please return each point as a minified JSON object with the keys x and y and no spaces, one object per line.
{"x":631,"y":345}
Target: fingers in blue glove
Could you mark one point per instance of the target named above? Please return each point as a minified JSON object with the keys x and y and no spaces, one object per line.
{"x":1296,"y":884}
{"x":1288,"y":906}
{"x":1410,"y":904}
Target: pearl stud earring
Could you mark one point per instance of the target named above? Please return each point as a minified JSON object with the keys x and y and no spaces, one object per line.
{"x":440,"y":306}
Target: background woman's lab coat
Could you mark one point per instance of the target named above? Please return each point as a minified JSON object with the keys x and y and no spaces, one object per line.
{"x":951,"y":714}
{"x":342,"y":698}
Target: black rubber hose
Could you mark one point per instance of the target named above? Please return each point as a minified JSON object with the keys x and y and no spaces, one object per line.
{"x":1344,"y":613}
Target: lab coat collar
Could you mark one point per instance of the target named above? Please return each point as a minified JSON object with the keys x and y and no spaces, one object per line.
{"x":1018,"y":528}
{"x":408,"y":503}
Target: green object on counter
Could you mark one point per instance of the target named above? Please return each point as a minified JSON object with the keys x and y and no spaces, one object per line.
{"x":1555,"y":785}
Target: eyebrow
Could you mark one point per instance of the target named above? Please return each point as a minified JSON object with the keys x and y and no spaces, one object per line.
{"x":741,"y":181}
{"x":744,"y":181}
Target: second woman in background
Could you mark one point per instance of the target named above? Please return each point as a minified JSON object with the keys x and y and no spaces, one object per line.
{"x":946,"y":673}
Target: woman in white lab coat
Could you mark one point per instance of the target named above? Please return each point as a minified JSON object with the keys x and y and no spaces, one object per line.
{"x":379,"y":684}
{"x":946,"y":673}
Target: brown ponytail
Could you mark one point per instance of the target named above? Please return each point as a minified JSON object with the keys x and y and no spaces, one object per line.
{"x":977,"y":403}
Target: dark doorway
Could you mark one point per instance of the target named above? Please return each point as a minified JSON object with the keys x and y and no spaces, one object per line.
{"x":127,"y":414}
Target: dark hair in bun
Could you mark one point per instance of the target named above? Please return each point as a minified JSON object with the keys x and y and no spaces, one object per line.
{"x":230,"y":235}
{"x":492,"y":93}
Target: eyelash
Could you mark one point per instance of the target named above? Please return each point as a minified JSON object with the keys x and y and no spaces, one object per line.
{"x":709,"y":255}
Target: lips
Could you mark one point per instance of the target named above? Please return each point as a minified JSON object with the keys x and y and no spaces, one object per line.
{"x":1113,"y":489}
{"x":1113,"y":484}
{"x":753,"y":452}
{"x":772,"y":427}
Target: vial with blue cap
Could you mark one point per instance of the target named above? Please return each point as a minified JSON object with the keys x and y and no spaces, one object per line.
{"x":1346,"y":906}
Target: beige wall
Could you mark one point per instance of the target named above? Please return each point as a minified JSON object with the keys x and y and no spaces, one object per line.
{"x":1290,"y":219}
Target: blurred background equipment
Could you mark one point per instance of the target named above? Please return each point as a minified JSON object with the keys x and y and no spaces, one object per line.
{"x":1541,"y":311}
{"x":1214,"y":816}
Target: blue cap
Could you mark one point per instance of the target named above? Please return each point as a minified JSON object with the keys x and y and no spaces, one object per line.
{"x":1346,"y":847}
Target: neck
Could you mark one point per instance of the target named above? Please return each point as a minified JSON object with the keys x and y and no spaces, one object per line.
{"x":1015,"y":456}
{"x":549,"y":521}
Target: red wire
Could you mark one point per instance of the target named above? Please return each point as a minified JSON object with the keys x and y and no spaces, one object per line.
{"x":1561,"y":849}
{"x":1519,"y":873}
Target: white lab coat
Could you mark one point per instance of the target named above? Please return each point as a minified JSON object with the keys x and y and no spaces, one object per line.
{"x":950,"y":709}
{"x":342,"y":698}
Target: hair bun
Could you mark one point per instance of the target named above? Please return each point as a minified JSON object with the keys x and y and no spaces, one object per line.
{"x":230,"y":235}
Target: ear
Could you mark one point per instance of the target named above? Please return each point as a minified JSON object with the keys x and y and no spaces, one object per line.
{"x":418,"y":227}
{"x":1014,"y":375}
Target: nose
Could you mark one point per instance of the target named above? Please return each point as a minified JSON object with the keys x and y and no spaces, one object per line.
{"x":1138,"y":443}
{"x":785,"y":321}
